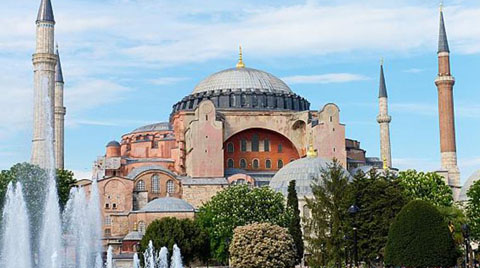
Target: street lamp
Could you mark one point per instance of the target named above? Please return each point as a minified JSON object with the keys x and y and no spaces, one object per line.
{"x":466,"y":236}
{"x":353,"y":210}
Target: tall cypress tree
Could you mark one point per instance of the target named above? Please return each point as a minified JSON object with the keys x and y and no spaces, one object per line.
{"x":294,"y":226}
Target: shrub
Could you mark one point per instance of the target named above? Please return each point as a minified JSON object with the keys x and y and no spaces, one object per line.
{"x":419,"y":237}
{"x":262,"y":245}
{"x":189,"y":237}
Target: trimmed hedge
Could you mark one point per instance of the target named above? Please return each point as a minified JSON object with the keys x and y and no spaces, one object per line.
{"x":419,"y":237}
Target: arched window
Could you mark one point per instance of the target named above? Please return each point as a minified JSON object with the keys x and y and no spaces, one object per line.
{"x":141,"y":227}
{"x":255,"y":143}
{"x":108,"y":220}
{"x":243,"y":145}
{"x":230,"y":163}
{"x":280,"y":164}
{"x":243,"y":163}
{"x":114,"y":206}
{"x":280,"y":148}
{"x":255,"y":164}
{"x":107,"y":205}
{"x":155,"y":184}
{"x":140,"y":186}
{"x":268,"y":163}
{"x":266,"y":145}
{"x":230,"y":148}
{"x":108,"y":232}
{"x":170,"y":187}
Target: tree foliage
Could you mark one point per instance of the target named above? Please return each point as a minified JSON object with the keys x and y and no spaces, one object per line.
{"x":294,"y":224}
{"x":428,"y":186}
{"x":473,"y":210}
{"x":237,"y":206}
{"x":262,"y":245}
{"x":188,"y":236}
{"x":379,"y":198}
{"x":420,"y":237}
{"x":326,"y":228}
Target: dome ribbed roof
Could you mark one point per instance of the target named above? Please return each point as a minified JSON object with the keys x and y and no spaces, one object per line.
{"x":242,"y":79}
{"x":304,"y":171}
{"x":163,"y":126}
{"x":168,"y":204}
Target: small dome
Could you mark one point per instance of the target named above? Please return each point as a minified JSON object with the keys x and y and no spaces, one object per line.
{"x":113,"y":144}
{"x":133,"y":236}
{"x":242,"y":79}
{"x":168,"y":204}
{"x":162,"y":126}
{"x":466,"y":186}
{"x":303,"y":171}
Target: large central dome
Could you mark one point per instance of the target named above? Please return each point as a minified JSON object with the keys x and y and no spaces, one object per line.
{"x":242,"y":79}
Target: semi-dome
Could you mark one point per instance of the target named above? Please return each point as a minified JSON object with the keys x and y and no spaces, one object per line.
{"x":168,"y":204}
{"x":242,"y":79}
{"x":466,"y":186}
{"x":304,"y":171}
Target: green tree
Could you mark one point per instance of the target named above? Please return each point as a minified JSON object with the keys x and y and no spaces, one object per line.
{"x":294,"y":224}
{"x":420,"y":237}
{"x":380,"y":198}
{"x":65,"y":182}
{"x":167,"y":232}
{"x":326,"y":229}
{"x":473,"y":210}
{"x":237,"y":206}
{"x":277,"y":248}
{"x":428,"y":186}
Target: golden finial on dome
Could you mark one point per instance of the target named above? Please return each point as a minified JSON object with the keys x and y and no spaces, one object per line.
{"x":135,"y":227}
{"x":240,"y":63}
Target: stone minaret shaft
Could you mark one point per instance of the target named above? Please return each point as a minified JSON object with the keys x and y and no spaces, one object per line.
{"x":384,"y":120}
{"x":60,"y":112}
{"x":444,"y":83}
{"x":44,"y":61}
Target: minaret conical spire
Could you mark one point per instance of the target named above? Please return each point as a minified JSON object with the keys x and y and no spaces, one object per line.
{"x":442,"y":35}
{"x":382,"y":93}
{"x":45,"y":12}
{"x":58,"y":68}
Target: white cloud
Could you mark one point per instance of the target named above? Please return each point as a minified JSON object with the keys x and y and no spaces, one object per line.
{"x":168,"y":80}
{"x":89,"y":94}
{"x":324,"y":78}
{"x":414,"y":70}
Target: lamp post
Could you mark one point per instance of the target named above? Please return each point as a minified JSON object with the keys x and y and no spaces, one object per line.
{"x":466,"y":236}
{"x":353,"y":210}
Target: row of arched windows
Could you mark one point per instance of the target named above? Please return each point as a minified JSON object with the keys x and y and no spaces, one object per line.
{"x":255,"y":145}
{"x":255,"y":163}
{"x":155,"y":183}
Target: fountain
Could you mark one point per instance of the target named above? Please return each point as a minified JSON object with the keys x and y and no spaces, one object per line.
{"x":136,"y":261}
{"x":149,"y":256}
{"x":109,"y":263}
{"x":162,"y":258}
{"x":176,"y":258}
{"x":15,"y":245}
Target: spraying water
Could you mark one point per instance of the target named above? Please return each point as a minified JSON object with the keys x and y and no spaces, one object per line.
{"x":15,"y":244}
{"x":149,"y":256}
{"x":109,"y":263}
{"x":136,"y":261}
{"x":176,"y":258}
{"x":162,"y":258}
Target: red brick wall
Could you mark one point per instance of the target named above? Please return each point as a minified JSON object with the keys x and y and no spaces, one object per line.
{"x":288,"y":150}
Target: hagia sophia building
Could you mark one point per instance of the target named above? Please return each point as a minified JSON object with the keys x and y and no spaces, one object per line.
{"x":238,"y":126}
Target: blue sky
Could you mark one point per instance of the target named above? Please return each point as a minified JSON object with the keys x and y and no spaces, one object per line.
{"x":126,"y":62}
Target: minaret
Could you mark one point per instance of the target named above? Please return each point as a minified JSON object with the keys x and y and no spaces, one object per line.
{"x":60,"y":112}
{"x":384,"y":120}
{"x":44,"y":61}
{"x":444,"y":83}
